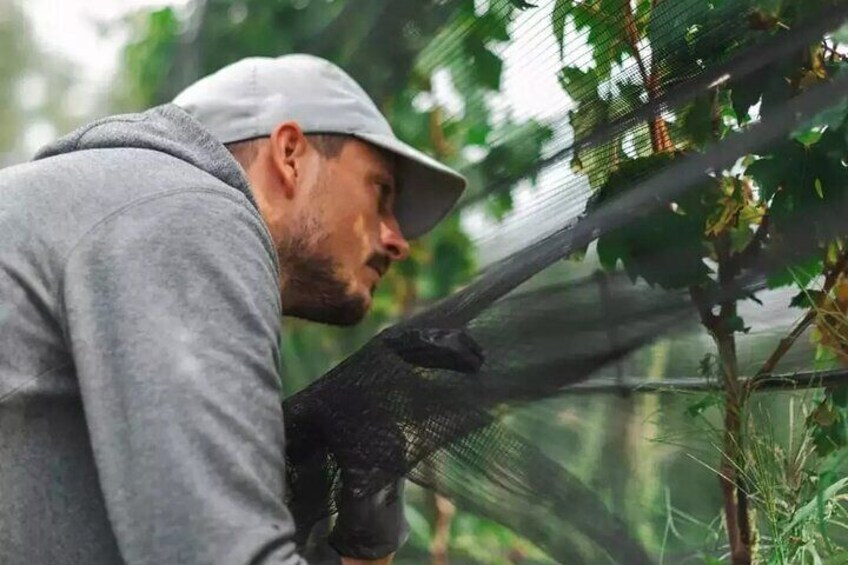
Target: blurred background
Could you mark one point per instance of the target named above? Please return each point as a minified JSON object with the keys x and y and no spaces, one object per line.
{"x":481,"y":85}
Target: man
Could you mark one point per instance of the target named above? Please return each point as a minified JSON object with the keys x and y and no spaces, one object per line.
{"x":143,"y":271}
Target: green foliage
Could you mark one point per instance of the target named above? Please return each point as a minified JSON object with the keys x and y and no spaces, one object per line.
{"x":731,"y":216}
{"x":674,"y":231}
{"x":487,"y":542}
{"x":448,"y":36}
{"x":512,"y":160}
{"x":604,"y":33}
{"x":151,"y":54}
{"x":828,"y":423}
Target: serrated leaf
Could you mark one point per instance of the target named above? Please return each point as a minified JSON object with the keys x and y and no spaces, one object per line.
{"x":676,"y":234}
{"x":606,"y":34}
{"x":609,"y":252}
{"x":487,"y":68}
{"x":580,"y":85}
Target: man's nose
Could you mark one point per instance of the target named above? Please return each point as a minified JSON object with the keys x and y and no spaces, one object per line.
{"x":396,"y":246}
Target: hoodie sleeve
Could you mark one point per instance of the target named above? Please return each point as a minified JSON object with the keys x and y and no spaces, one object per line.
{"x":172,"y":315}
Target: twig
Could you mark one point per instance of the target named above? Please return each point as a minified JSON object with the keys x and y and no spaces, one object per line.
{"x":765,"y":383}
{"x":787,"y":342}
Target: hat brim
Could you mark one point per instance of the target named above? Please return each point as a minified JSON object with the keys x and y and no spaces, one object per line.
{"x":428,"y":189}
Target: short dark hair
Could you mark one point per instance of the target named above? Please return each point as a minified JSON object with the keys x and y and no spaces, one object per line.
{"x":329,"y":145}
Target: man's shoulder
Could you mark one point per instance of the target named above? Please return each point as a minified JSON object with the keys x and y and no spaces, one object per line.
{"x":56,"y":202}
{"x":118,"y":170}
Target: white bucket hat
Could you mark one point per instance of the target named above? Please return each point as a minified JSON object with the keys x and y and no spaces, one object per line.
{"x":247,"y":99}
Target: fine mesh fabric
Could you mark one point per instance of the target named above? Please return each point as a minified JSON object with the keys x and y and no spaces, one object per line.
{"x":416,"y":402}
{"x":427,"y":398}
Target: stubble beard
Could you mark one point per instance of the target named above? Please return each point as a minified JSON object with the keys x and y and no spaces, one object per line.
{"x":312,"y":287}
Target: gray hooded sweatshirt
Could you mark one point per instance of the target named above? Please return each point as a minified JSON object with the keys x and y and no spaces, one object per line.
{"x":140,"y":417}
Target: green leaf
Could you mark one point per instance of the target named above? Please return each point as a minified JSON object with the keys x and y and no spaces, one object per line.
{"x":559,"y":17}
{"x":674,"y":233}
{"x":831,"y":117}
{"x":580,"y":85}
{"x":629,"y":98}
{"x":806,"y":299}
{"x":609,"y":252}
{"x":809,"y":137}
{"x":806,"y":512}
{"x":606,"y":34}
{"x":839,"y":395}
{"x":670,"y":22}
{"x":828,"y":428}
{"x":698,"y":120}
{"x":801,"y":274}
{"x":487,"y":68}
{"x":744,"y":94}
{"x":499,"y":204}
{"x":737,"y":324}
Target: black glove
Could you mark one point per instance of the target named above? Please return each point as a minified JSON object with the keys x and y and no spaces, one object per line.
{"x":370,"y":524}
{"x":434,"y":348}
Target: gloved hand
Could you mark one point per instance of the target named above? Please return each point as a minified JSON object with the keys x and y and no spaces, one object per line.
{"x":370,"y":524}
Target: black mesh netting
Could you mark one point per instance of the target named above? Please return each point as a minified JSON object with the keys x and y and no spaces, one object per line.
{"x":725,"y":47}
{"x":424,"y":398}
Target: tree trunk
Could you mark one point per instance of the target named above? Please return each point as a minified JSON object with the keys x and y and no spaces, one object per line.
{"x":732,"y":460}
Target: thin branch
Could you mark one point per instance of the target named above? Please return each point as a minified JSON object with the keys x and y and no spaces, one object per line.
{"x":787,"y":342}
{"x":765,"y":383}
{"x":833,"y":52}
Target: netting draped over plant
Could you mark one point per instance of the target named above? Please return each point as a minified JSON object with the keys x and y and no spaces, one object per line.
{"x":416,"y":401}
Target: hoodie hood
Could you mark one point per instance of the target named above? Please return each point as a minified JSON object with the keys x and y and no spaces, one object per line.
{"x":167,"y":129}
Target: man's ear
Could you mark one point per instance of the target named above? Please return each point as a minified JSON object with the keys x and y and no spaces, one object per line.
{"x":289,"y":146}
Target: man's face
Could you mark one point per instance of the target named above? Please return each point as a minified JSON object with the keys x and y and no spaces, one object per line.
{"x":345,"y":237}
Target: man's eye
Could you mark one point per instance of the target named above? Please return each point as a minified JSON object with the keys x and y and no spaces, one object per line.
{"x":385,"y":197}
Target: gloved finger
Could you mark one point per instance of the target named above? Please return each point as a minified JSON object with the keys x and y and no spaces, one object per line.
{"x":371,"y":523}
{"x":452,"y":349}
